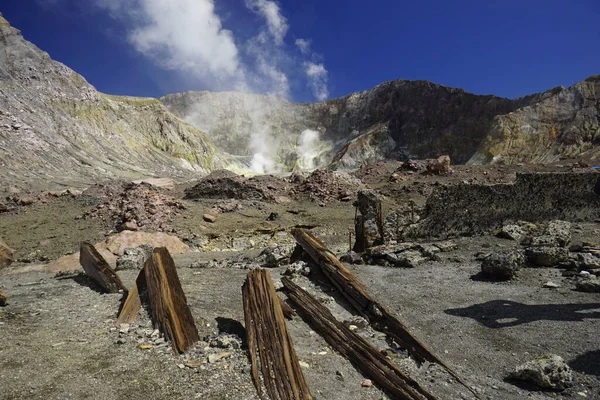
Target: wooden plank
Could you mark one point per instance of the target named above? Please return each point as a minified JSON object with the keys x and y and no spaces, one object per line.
{"x":288,"y":311}
{"x":133,"y":303}
{"x":355,"y":292}
{"x":167,"y":301}
{"x":96,"y":267}
{"x":269,"y":341}
{"x":355,"y":348}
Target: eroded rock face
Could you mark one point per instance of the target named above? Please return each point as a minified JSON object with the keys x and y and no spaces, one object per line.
{"x":563,"y":124}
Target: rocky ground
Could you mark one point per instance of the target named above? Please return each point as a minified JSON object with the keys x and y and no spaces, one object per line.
{"x":59,"y":334}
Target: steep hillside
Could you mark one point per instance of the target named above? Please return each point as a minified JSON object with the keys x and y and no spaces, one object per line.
{"x":564,"y":124}
{"x":57,"y":130}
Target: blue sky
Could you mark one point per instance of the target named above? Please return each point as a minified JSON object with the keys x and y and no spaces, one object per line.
{"x":314,"y":49}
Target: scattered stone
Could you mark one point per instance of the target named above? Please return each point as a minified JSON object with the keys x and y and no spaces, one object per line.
{"x":367,"y":383}
{"x":303,"y":364}
{"x":546,"y":256}
{"x":129,"y":226}
{"x":192,"y":363}
{"x":134,"y":258}
{"x":26,"y":201}
{"x":209,"y":218}
{"x":551,"y":285}
{"x":351,"y":258}
{"x":6,"y":255}
{"x":145,"y":346}
{"x":446,"y":246}
{"x":407,"y":259}
{"x":275,"y":256}
{"x":225,"y":341}
{"x":213,"y":358}
{"x":547,"y":372}
{"x":297,"y":268}
{"x":503,"y":265}
{"x":588,"y":261}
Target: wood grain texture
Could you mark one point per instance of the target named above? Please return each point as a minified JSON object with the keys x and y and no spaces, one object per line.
{"x":167,"y":301}
{"x":269,"y":344}
{"x":96,"y":267}
{"x":356,"y":349}
{"x":355,"y":292}
{"x":133,"y":303}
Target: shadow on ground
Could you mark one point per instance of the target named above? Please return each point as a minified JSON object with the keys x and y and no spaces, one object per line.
{"x":587,"y":363}
{"x":505,"y":313}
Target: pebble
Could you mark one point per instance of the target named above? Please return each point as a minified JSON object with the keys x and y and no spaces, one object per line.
{"x":303,"y":364}
{"x":551,"y":285}
{"x":366,"y":383}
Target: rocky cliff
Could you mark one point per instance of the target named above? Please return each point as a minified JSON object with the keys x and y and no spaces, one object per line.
{"x":564,"y":123}
{"x":58,"y":130}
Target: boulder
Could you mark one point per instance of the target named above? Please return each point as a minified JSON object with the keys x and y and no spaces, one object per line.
{"x":503,"y":265}
{"x":589,"y":283}
{"x":439,"y":166}
{"x":407,"y":259}
{"x":546,"y":256}
{"x":128,"y":239}
{"x":134,"y":258}
{"x":546,"y":372}
{"x":7,"y":255}
{"x":512,"y":232}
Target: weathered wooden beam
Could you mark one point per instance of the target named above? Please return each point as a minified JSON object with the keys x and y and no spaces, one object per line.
{"x":3,"y":298}
{"x":355,"y":292}
{"x":270,"y":342}
{"x":133,"y":303}
{"x":168,"y":305}
{"x":96,"y":267}
{"x":355,"y":348}
{"x":288,"y":311}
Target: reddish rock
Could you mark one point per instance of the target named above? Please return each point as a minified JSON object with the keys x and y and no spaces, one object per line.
{"x":209,"y":218}
{"x":6,"y":255}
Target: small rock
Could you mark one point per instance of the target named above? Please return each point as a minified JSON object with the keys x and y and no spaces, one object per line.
{"x":3,"y":299}
{"x":550,"y":372}
{"x":503,"y":265}
{"x":121,"y":341}
{"x":129,"y":226}
{"x":303,"y":364}
{"x":551,"y":285}
{"x":351,"y":258}
{"x":274,"y":256}
{"x":145,"y":346}
{"x":124,"y":328}
{"x":213,"y":358}
{"x":191,"y":363}
{"x":367,"y":383}
{"x":26,"y":201}
{"x":209,"y":218}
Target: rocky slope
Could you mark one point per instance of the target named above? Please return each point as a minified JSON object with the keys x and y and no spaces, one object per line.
{"x":58,"y":130}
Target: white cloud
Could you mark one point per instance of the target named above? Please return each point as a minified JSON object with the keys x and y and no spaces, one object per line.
{"x":270,"y":11}
{"x":303,"y":45}
{"x":317,"y":79}
{"x":182,"y":35}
